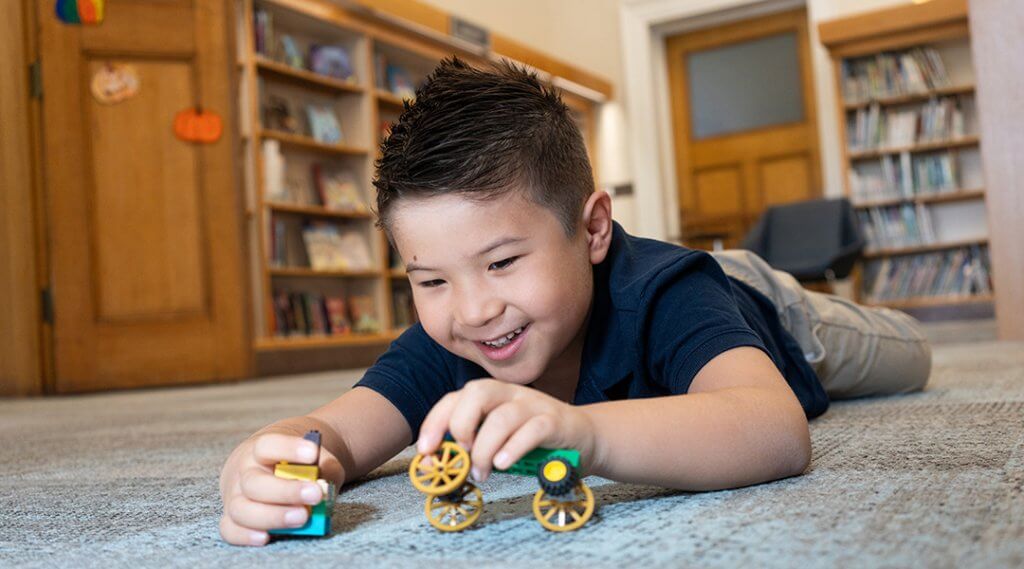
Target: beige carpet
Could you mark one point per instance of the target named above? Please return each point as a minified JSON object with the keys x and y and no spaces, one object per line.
{"x":926,"y":480}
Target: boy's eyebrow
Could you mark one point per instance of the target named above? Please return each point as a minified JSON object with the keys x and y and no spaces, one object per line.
{"x":500,"y":242}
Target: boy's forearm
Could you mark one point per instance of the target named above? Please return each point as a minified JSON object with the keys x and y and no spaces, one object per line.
{"x":701,"y":441}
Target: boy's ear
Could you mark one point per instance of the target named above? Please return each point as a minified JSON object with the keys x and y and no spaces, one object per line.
{"x":597,"y":220}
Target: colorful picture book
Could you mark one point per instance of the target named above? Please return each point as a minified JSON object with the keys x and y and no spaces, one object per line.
{"x":330,"y":249}
{"x":330,"y":60}
{"x":323,"y":124}
{"x":338,"y":190}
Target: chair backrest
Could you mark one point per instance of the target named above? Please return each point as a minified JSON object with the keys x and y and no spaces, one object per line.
{"x":805,"y":238}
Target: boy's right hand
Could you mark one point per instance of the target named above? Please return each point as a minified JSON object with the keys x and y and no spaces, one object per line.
{"x":255,"y":500}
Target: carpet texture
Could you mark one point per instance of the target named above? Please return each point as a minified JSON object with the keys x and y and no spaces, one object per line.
{"x":930,"y":479}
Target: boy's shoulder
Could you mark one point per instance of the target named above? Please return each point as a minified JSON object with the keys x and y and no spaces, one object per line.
{"x":636,"y":268}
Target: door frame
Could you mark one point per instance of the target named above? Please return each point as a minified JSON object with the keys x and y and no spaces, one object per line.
{"x":707,"y":38}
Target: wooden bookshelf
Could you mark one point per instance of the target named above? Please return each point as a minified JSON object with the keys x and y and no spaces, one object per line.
{"x":860,"y":41}
{"x":363,"y":104}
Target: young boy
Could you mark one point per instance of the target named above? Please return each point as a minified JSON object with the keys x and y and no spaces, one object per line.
{"x":543,"y":323}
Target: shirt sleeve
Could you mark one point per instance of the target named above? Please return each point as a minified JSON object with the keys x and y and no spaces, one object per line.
{"x":413,"y":374}
{"x":691,"y":317}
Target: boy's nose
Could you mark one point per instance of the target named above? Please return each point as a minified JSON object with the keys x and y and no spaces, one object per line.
{"x":478,"y":312}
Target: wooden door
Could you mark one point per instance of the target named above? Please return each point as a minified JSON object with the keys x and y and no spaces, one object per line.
{"x":144,"y":229}
{"x":744,"y":124}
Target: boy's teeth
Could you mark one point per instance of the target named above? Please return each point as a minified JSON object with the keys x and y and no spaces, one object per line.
{"x":502,"y":341}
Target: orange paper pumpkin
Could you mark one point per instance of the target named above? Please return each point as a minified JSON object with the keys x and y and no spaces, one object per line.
{"x":197,"y":125}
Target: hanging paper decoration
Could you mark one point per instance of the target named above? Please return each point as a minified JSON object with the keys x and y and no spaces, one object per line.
{"x":80,"y":11}
{"x":115,"y":82}
{"x":198,"y":125}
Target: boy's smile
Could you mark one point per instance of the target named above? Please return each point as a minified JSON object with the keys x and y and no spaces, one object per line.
{"x":497,"y":281}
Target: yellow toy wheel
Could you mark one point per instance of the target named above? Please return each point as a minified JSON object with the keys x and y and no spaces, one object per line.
{"x":443,"y":473}
{"x":455,"y":512}
{"x":564,"y":513}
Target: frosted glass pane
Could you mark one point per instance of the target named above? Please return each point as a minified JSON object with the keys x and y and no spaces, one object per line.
{"x":745,"y":86}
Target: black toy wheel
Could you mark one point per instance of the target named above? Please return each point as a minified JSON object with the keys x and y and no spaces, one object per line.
{"x":557,"y":476}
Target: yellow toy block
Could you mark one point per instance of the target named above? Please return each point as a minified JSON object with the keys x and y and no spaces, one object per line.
{"x":290,"y":471}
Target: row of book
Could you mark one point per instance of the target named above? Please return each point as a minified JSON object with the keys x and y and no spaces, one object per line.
{"x":896,"y":226}
{"x":324,"y":246}
{"x":404,"y":311}
{"x":960,"y":272}
{"x":334,"y":188}
{"x":305,"y":313}
{"x":936,"y":120}
{"x":329,"y":60}
{"x":917,"y":70}
{"x":904,"y":176}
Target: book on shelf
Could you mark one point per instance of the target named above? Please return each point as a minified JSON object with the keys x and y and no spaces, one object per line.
{"x":331,"y":61}
{"x":890,"y":74}
{"x":393,"y":77}
{"x":274,"y":186}
{"x":937,"y":120}
{"x":364,"y":316}
{"x":323,"y":124}
{"x":961,"y":272}
{"x":337,"y":190}
{"x":902,"y":225}
{"x":278,"y":115}
{"x":405,"y":308}
{"x":263,"y":30}
{"x":904,"y":176}
{"x":290,"y":52}
{"x":328,"y":248}
{"x":306,"y":314}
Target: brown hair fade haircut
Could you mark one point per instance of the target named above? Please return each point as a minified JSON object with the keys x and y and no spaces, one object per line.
{"x":480,"y":133}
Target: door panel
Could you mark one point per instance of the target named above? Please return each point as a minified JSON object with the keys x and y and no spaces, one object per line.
{"x":743,"y":139}
{"x":144,"y":229}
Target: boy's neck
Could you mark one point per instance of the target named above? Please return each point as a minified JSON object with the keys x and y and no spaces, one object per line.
{"x":562,"y":375}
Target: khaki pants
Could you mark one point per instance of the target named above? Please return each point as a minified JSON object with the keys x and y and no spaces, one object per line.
{"x":855,"y":350}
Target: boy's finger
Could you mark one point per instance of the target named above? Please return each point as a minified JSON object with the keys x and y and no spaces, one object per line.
{"x":534,"y":433}
{"x":498,"y":427}
{"x":235,"y":534}
{"x":436,"y":424}
{"x":478,"y":398}
{"x":261,"y":486}
{"x":259,"y":516}
{"x":273,"y":448}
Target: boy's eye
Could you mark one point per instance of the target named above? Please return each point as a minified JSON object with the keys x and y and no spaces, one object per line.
{"x":432,"y":284}
{"x":503,"y":264}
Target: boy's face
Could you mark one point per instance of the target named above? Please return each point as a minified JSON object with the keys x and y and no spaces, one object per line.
{"x":484,"y":270}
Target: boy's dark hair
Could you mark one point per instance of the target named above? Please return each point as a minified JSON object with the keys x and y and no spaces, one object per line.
{"x":481,"y":133}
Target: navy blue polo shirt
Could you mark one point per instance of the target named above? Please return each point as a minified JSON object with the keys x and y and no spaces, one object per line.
{"x":659,"y":314}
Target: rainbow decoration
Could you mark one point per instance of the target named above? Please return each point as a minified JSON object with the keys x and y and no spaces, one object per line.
{"x":80,"y":11}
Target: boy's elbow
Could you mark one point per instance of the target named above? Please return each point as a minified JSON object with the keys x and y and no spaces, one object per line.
{"x":799,"y":455}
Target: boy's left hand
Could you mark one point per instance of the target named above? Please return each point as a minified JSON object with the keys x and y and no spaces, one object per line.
{"x":515,"y":420}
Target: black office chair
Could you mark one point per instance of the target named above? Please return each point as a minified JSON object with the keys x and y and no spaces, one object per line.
{"x":814,"y":241}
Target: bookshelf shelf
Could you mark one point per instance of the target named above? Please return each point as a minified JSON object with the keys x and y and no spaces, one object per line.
{"x":911,"y":97}
{"x":323,"y":341}
{"x":397,"y":274}
{"x":929,"y":301}
{"x":304,"y":78}
{"x":945,"y":197}
{"x":298,"y":140}
{"x":913,"y":249}
{"x":385,"y":97}
{"x":316,"y":211}
{"x":914,"y":148}
{"x":308,"y":272}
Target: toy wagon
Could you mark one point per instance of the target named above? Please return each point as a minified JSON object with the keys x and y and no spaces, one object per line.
{"x":563,"y":503}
